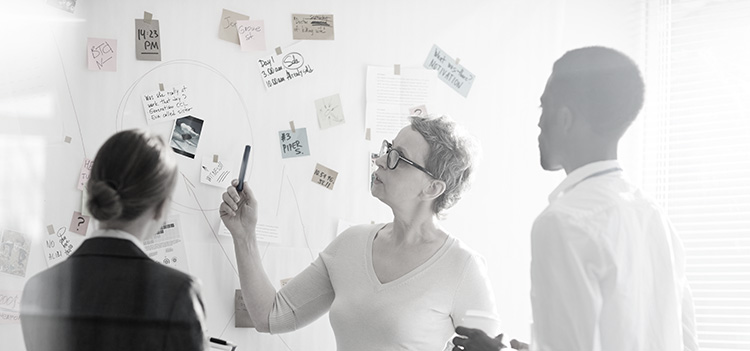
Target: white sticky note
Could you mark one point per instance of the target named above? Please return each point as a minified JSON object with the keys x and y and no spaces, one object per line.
{"x":252,"y":34}
{"x":167,"y":105}
{"x":215,"y":173}
{"x":329,"y":110}
{"x":59,"y":245}
{"x":280,"y":69}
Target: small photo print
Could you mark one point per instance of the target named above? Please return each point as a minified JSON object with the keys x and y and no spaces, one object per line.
{"x":185,"y":135}
{"x":14,"y":253}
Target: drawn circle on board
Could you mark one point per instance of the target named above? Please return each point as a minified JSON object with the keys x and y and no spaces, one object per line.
{"x":293,"y":60}
{"x":225,"y":130}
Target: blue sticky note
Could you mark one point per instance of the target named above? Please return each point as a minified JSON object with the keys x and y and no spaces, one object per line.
{"x":294,"y":144}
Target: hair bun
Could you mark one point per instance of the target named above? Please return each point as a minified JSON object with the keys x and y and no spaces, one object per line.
{"x":104,"y":201}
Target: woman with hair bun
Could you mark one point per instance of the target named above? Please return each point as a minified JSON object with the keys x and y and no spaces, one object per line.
{"x":109,"y":295}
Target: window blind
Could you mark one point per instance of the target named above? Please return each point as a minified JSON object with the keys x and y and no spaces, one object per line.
{"x":697,"y":153}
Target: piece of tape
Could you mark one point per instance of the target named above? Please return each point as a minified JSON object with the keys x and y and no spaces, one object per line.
{"x":147,"y":16}
{"x":50,"y":229}
{"x":367,"y":134}
{"x":68,"y":139}
{"x":291,"y":125}
{"x":397,"y":69}
{"x":216,"y":158}
{"x":278,"y":50}
{"x":161,"y":86}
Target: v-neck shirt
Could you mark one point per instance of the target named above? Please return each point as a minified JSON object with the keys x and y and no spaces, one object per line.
{"x":417,"y":311}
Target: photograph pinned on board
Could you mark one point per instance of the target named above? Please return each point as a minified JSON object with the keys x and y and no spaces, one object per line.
{"x":14,"y":253}
{"x":186,"y":133}
{"x":67,"y":5}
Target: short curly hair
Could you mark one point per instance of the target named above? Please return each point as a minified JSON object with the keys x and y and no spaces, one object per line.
{"x":452,"y":157}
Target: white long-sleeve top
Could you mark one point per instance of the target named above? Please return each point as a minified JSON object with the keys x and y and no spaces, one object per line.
{"x":418,"y":311}
{"x":607,"y":269}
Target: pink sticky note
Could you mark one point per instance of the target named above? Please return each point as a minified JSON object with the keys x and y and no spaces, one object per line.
{"x":79,"y":223}
{"x":85,"y":173}
{"x":252,"y":35}
{"x":102,"y":54}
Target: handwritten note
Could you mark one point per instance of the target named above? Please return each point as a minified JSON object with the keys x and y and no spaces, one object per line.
{"x":279,"y":69}
{"x":14,"y":253}
{"x":147,"y":40}
{"x":241,"y":316}
{"x":453,"y":74}
{"x":102,"y":54}
{"x":10,"y":307}
{"x":167,"y":105}
{"x":324,"y":176}
{"x":59,"y":245}
{"x":79,"y":223}
{"x":329,"y":110}
{"x":215,"y":173}
{"x":167,"y":246}
{"x":227,"y":25}
{"x":294,"y":144}
{"x":83,"y":178}
{"x":252,"y":35}
{"x":312,"y":27}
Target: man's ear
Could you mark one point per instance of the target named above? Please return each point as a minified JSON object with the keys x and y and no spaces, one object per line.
{"x":565,"y":118}
{"x":434,"y":189}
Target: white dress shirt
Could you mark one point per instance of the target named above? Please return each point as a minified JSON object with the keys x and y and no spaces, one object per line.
{"x":117,"y":234}
{"x":607,"y":269}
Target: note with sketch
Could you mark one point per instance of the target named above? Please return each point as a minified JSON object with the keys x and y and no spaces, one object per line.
{"x":215,"y":173}
{"x":14,"y":253}
{"x":329,"y":110}
{"x":312,"y":27}
{"x":167,"y":245}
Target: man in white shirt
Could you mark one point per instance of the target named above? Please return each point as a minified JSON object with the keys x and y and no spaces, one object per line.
{"x":607,"y":269}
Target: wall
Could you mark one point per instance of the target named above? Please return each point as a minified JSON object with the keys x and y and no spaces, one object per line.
{"x":509,"y":45}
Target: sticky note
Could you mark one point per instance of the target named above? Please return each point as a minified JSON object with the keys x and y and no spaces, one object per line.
{"x":166,"y":105}
{"x":227,"y":25}
{"x":312,"y":27}
{"x":280,"y":69}
{"x":147,"y":40}
{"x":79,"y":223}
{"x":324,"y":176}
{"x":252,"y":34}
{"x":241,"y":316}
{"x":10,"y":306}
{"x":215,"y":173}
{"x":59,"y":246}
{"x":450,"y":72}
{"x":329,"y":110}
{"x":102,"y":54}
{"x":294,"y":144}
{"x":15,"y":248}
{"x":85,"y":174}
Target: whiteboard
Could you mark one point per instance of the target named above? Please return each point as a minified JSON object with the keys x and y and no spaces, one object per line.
{"x":51,"y":95}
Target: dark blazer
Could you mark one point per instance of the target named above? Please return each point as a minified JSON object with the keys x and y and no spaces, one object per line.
{"x":108,"y":295}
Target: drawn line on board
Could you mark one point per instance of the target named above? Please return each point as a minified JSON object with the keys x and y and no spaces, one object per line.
{"x":227,"y":325}
{"x":299,"y":213}
{"x":192,"y":192}
{"x":281,"y":184}
{"x":285,"y":344}
{"x":70,"y":94}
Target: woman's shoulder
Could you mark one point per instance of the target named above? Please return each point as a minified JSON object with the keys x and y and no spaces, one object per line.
{"x":463,"y":253}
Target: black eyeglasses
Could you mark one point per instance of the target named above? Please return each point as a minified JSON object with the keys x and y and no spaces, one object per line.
{"x":394,"y":157}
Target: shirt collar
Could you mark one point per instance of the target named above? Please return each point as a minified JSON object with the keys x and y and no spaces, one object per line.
{"x":118,"y":234}
{"x":580,"y":174}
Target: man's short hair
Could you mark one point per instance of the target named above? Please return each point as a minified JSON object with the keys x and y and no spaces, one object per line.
{"x":601,"y":84}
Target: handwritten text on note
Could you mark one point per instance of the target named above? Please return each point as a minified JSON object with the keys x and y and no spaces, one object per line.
{"x":450,"y":72}
{"x":166,"y":105}
{"x":294,"y":144}
{"x":324,"y":176}
{"x":147,"y":40}
{"x":252,"y":35}
{"x":227,"y":25}
{"x":279,"y":69}
{"x":312,"y":27}
{"x":102,"y":54}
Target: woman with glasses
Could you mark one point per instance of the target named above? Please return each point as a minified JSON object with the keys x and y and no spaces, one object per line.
{"x":402,"y":285}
